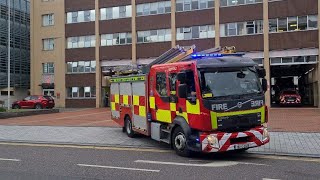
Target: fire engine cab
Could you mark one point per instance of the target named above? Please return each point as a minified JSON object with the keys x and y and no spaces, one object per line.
{"x":208,"y":101}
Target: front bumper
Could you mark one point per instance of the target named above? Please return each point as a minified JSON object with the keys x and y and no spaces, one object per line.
{"x":221,"y":141}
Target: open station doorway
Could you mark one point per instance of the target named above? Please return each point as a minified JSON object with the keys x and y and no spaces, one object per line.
{"x":294,"y":81}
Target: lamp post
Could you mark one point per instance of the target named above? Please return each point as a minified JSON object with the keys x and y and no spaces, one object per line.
{"x":9,"y":13}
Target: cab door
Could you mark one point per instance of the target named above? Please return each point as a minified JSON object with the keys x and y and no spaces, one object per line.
{"x":159,"y":101}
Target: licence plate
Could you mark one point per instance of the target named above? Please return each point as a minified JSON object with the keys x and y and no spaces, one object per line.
{"x":50,"y":101}
{"x":241,"y":146}
{"x":290,"y":100}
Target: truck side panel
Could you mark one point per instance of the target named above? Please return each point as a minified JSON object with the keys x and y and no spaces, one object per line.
{"x":139,"y":110}
{"x":125,"y":100}
{"x":115,"y":101}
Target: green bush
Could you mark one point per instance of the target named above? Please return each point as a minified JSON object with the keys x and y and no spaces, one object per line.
{"x":2,"y":109}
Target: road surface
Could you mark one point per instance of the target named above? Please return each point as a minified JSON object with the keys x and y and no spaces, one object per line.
{"x":32,"y":161}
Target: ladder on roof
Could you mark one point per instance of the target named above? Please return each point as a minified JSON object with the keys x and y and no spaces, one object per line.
{"x":172,"y":55}
{"x":176,"y":54}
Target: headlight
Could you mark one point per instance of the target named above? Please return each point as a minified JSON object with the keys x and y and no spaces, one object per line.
{"x":212,"y":140}
{"x":265,"y":135}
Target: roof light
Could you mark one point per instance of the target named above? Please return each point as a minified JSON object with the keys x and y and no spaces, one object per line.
{"x":196,"y":56}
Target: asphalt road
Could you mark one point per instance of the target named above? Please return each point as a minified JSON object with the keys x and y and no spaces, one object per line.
{"x":27,"y":161}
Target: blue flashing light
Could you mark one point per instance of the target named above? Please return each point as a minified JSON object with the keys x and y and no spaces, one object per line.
{"x":197,"y":56}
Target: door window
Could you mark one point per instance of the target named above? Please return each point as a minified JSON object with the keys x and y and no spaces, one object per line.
{"x":161,"y":84}
{"x":172,"y":83}
{"x":191,"y":84}
{"x":27,"y":98}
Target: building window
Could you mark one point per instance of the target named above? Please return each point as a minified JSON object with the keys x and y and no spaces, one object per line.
{"x":224,"y":3}
{"x":195,"y":32}
{"x":188,"y":5}
{"x":48,"y":68}
{"x":116,"y":39}
{"x":81,"y":16}
{"x":159,"y":35}
{"x":48,"y":44}
{"x":115,"y":12}
{"x":48,"y":20}
{"x":282,"y":24}
{"x":241,"y":28}
{"x":313,"y":22}
{"x":81,"y":92}
{"x":231,"y":29}
{"x":81,"y":67}
{"x":81,"y":42}
{"x":5,"y":93}
{"x":293,"y":23}
{"x":154,"y":8}
{"x":302,"y":22}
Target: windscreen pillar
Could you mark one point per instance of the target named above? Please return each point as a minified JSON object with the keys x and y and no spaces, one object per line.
{"x":266,"y":62}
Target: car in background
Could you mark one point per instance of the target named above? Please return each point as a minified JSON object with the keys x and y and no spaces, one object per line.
{"x":290,"y":97}
{"x":34,"y":102}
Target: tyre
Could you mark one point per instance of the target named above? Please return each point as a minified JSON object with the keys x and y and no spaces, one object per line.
{"x":128,"y":127}
{"x":179,"y":142}
{"x":16,"y":106}
{"x":38,"y":106}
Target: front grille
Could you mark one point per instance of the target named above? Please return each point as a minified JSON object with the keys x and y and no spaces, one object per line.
{"x":239,"y":122}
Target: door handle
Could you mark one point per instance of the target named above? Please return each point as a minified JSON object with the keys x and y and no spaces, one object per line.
{"x":156,"y":107}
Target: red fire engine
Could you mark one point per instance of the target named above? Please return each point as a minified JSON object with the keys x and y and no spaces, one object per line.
{"x":209,"y":101}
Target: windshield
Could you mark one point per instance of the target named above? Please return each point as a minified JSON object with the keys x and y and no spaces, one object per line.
{"x":217,"y":83}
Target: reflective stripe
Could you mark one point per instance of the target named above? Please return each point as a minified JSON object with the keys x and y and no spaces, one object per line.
{"x":152,"y":102}
{"x":184,"y":115}
{"x":125,"y":99}
{"x":242,"y":112}
{"x":136,"y":100}
{"x":142,"y":111}
{"x":193,"y":108}
{"x":163,"y":115}
{"x":173,"y":106}
{"x":116,"y":98}
{"x":113,"y":106}
{"x":214,"y":123}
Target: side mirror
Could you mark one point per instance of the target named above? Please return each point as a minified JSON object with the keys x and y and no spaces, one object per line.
{"x":182,"y":91}
{"x":261,"y":72}
{"x":264,"y":85}
{"x":182,"y":77}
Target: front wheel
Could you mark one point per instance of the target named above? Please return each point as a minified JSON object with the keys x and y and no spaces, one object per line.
{"x":38,"y":106}
{"x":128,"y":127}
{"x":179,"y":142}
{"x":16,"y":106}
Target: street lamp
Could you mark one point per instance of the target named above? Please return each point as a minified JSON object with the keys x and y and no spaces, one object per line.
{"x":9,"y":13}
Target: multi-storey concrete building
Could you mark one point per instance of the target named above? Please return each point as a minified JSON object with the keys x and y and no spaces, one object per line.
{"x":74,"y":42}
{"x":19,"y":49}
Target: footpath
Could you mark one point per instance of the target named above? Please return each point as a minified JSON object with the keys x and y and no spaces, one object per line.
{"x":294,"y":132}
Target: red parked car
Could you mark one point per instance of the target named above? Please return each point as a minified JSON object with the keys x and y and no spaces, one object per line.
{"x":35,"y":101}
{"x":290,"y":97}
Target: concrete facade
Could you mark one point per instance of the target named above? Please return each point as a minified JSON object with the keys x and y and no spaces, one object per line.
{"x":261,"y":45}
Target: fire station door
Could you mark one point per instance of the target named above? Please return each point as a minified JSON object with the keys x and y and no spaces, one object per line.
{"x":139,"y":118}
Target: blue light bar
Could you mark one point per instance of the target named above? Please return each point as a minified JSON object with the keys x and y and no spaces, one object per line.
{"x":196,"y":56}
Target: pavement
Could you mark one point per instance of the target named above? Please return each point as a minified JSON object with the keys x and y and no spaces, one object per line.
{"x":294,"y":131}
{"x":282,"y":143}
